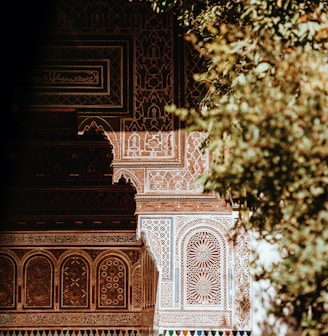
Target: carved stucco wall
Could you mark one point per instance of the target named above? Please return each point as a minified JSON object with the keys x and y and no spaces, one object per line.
{"x":204,"y":276}
{"x":164,"y":162}
{"x":140,"y":65}
{"x":72,"y":281}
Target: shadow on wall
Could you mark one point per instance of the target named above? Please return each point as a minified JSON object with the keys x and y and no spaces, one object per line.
{"x":20,"y":38}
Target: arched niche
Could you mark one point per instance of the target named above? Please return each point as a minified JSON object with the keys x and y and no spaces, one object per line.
{"x":38,"y":282}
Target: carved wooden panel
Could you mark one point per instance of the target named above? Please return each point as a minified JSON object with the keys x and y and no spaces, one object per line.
{"x":75,"y":282}
{"x":65,"y":181}
{"x":7,"y":282}
{"x":93,"y":75}
{"x":38,"y":282}
{"x":112,"y":286}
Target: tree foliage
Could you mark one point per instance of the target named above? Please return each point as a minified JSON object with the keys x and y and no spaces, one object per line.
{"x":266,"y":116}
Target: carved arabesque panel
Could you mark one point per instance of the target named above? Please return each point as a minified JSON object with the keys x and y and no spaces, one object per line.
{"x":150,"y":134}
{"x":181,"y":179}
{"x":112,"y":287}
{"x":210,"y":285}
{"x":75,"y":283}
{"x":242,"y":280}
{"x":204,"y":270}
{"x":38,"y":282}
{"x":91,"y":287}
{"x":84,"y":279}
{"x":137,"y":288}
{"x":158,"y":232}
{"x":7,"y":282}
{"x":194,"y":91}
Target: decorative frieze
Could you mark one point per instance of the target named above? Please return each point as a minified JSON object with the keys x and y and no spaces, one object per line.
{"x":66,"y":239}
{"x":74,"y":319}
{"x":184,"y":204}
{"x":198,"y":320}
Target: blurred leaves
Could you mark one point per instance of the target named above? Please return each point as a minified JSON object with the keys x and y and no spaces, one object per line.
{"x":266,"y":119}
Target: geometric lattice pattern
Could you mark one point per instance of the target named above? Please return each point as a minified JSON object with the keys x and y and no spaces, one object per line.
{"x":158,"y":232}
{"x":75,"y":282}
{"x":47,"y":280}
{"x":209,"y":287}
{"x":112,"y":283}
{"x":204,"y":270}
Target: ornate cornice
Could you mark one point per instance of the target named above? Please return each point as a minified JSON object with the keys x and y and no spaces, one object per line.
{"x":181,"y":204}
